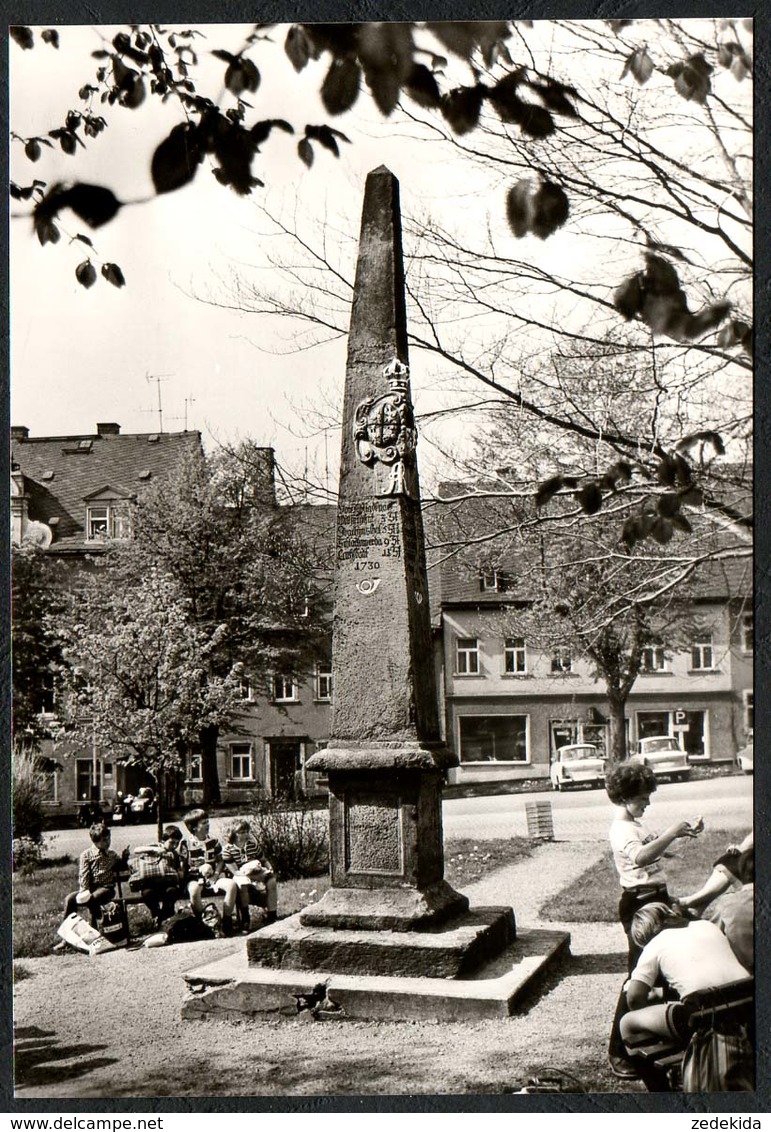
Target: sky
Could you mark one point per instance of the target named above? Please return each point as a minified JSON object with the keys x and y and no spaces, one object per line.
{"x":79,"y":356}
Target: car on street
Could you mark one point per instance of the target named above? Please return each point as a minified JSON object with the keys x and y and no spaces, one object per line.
{"x":664,"y":755}
{"x":578,"y":764}
{"x":745,"y":759}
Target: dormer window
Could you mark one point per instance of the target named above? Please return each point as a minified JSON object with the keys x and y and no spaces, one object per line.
{"x":106,"y":521}
{"x":493,"y":581}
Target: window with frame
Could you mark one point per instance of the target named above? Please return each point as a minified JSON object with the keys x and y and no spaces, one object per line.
{"x":284,"y":689}
{"x":245,"y":690}
{"x":493,"y":738}
{"x":748,"y":631}
{"x":324,"y":682}
{"x":514,"y":655}
{"x":241,"y":769}
{"x":493,"y":581}
{"x":105,"y":521}
{"x":749,"y":711}
{"x":562,"y":659}
{"x":467,"y":656}
{"x":702,"y":654}
{"x":194,"y":767}
{"x":652,"y":659}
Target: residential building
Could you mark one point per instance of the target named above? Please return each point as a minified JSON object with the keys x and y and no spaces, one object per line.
{"x":508,"y":704}
{"x":71,"y":495}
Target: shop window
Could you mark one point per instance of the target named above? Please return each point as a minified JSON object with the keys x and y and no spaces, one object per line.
{"x":493,"y":738}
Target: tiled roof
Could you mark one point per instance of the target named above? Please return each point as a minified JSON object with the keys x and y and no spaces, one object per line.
{"x":61,"y":473}
{"x":459,"y":550}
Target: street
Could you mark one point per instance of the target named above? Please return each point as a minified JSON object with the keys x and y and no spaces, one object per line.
{"x":582,"y":815}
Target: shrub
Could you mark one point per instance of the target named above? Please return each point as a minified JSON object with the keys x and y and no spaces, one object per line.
{"x":29,"y":791}
{"x":291,"y":835}
{"x":26,"y":853}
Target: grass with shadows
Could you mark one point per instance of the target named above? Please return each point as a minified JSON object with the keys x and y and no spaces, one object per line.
{"x":593,"y":896}
{"x":38,"y":893}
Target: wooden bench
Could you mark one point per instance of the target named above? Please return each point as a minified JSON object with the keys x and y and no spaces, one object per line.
{"x":660,"y":1060}
{"x":125,"y":897}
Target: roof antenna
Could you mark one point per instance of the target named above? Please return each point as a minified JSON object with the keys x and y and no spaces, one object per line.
{"x":158,"y":378}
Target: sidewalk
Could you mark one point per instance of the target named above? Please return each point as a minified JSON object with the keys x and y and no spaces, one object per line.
{"x":110,"y":1026}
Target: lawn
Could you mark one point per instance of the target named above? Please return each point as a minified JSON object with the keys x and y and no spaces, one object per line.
{"x":593,"y":897}
{"x":38,"y":894}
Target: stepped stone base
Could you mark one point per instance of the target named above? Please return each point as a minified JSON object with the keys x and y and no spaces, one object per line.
{"x":447,"y":952}
{"x":232,"y":989}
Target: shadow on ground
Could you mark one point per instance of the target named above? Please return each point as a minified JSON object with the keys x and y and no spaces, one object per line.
{"x":38,"y":1054}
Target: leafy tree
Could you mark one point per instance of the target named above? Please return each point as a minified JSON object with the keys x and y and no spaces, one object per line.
{"x":37,"y":660}
{"x":248,"y":596}
{"x":140,"y":687}
{"x":581,"y":574}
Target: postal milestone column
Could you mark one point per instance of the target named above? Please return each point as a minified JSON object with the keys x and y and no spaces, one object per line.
{"x":385,"y":760}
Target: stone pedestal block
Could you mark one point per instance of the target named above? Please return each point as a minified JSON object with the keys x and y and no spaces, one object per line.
{"x":386,"y":853}
{"x":453,"y":951}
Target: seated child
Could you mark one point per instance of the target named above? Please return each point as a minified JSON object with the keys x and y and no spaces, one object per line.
{"x":160,"y":883}
{"x":731,"y":870}
{"x":202,"y":860}
{"x":98,"y":873}
{"x":255,"y":879}
{"x":688,"y":955}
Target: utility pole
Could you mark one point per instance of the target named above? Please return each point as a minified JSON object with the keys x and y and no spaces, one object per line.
{"x":158,"y":378}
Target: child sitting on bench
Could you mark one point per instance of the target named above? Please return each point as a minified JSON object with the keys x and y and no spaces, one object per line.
{"x":254,"y":877}
{"x":689,"y":956}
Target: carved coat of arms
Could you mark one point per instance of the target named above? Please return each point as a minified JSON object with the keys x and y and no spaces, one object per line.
{"x":385,"y":434}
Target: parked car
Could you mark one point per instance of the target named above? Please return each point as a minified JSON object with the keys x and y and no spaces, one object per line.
{"x":664,"y":755}
{"x":745,"y":759}
{"x":578,"y":764}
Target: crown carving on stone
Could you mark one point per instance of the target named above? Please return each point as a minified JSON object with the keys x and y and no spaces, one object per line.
{"x":398,"y":374}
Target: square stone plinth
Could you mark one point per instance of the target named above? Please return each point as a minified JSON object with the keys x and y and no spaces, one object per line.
{"x":232,"y":989}
{"x":447,"y":952}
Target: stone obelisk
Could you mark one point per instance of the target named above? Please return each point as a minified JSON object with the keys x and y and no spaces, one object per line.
{"x":389,"y":913}
{"x":385,"y":759}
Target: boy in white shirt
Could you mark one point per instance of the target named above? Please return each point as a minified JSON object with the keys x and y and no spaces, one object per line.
{"x":637,"y":853}
{"x":688,"y":956}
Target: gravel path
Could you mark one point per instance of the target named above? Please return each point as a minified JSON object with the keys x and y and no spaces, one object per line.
{"x":110,"y":1026}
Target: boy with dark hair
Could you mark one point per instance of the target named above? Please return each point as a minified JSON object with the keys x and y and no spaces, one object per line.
{"x":158,"y":875}
{"x":202,"y":859}
{"x":98,"y":872}
{"x":637,"y":853}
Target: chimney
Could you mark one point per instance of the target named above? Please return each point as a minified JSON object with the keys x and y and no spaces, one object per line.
{"x":107,"y":428}
{"x":19,"y":432}
{"x":264,"y":475}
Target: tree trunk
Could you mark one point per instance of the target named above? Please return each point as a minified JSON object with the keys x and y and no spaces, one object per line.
{"x":160,"y":802}
{"x":211,"y":781}
{"x":616,"y":730}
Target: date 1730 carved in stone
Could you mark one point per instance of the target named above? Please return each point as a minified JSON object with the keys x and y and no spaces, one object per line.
{"x":385,"y":434}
